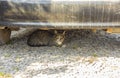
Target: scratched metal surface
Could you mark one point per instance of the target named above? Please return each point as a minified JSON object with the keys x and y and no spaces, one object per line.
{"x":78,"y":13}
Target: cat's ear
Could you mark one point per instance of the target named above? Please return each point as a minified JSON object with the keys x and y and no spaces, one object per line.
{"x":55,"y":32}
{"x":64,"y":32}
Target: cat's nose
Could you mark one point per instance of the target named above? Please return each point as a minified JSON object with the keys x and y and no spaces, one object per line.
{"x":59,"y":43}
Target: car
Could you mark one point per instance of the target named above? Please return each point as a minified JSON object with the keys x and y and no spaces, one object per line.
{"x":58,"y":14}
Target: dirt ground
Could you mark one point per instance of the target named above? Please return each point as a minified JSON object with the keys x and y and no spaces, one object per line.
{"x":84,"y":54}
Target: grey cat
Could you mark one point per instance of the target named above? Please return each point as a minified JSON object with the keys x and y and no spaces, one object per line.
{"x":46,"y":38}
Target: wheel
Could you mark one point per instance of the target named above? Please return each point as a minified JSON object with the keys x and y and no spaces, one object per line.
{"x":4,"y":36}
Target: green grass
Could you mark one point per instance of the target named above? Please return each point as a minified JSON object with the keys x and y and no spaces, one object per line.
{"x":5,"y":75}
{"x":95,"y":55}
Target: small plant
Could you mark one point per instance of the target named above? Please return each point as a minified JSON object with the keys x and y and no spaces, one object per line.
{"x":75,"y":46}
{"x":5,"y":75}
{"x":94,"y":55}
{"x":90,"y":59}
{"x":16,"y":68}
{"x":17,"y":59}
{"x":7,"y":55}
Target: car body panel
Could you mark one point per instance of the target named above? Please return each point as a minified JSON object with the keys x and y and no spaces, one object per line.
{"x":60,"y":13}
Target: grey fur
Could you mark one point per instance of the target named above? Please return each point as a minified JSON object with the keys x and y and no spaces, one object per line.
{"x":46,"y":38}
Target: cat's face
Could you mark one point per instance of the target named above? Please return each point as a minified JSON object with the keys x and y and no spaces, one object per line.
{"x":59,"y":38}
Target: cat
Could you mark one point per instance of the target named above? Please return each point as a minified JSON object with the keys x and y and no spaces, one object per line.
{"x":46,"y":38}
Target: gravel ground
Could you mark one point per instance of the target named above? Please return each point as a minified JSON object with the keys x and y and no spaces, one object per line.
{"x":83,"y":55}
